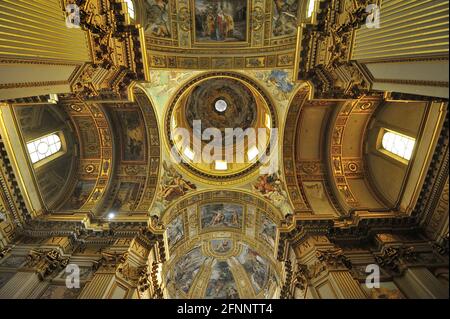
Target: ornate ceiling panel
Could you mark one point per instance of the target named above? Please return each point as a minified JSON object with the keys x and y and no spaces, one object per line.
{"x":247,"y":107}
{"x":221,"y":244}
{"x":138,"y":157}
{"x":119,"y":156}
{"x":324,"y":157}
{"x":191,"y":34}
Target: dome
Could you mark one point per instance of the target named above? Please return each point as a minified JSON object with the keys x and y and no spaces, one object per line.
{"x":220,"y":126}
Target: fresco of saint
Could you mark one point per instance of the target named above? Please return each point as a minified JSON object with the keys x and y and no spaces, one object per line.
{"x":220,"y":21}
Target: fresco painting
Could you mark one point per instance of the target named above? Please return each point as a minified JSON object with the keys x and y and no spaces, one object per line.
{"x":222,"y":284}
{"x":126,"y":197}
{"x":221,"y":215}
{"x":222,"y":21}
{"x":284,"y":17}
{"x":268,"y":230}
{"x":175,"y":231}
{"x":158,"y":22}
{"x":256,"y":267}
{"x":278,"y":82}
{"x":221,"y":246}
{"x":80,"y":195}
{"x":186,"y":269}
{"x":133,"y":135}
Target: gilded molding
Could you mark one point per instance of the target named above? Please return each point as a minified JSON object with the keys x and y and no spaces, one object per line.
{"x":32,"y":84}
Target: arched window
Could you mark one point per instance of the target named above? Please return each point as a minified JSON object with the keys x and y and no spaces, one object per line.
{"x":310,"y":8}
{"x":398,"y":144}
{"x":44,"y":147}
{"x":130,"y":6}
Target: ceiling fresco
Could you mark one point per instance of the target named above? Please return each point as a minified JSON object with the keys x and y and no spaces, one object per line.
{"x":221,"y":245}
{"x":279,"y":88}
{"x":314,"y":161}
{"x":222,"y":134}
{"x":190,"y":34}
{"x":240,"y":105}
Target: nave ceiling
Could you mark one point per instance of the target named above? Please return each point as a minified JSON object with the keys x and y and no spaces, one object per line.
{"x":209,"y":231}
{"x":257,"y":33}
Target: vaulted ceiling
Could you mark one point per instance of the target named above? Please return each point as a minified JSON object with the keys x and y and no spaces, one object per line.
{"x":184,"y":35}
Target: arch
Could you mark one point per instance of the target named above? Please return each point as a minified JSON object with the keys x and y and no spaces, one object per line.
{"x":53,"y":170}
{"x":198,"y":242}
{"x":419,"y":120}
{"x":346,"y":163}
{"x":137,"y":167}
{"x":296,"y":170}
{"x":204,"y":195}
{"x":118,"y":168}
{"x":323,"y":156}
{"x":95,"y":156}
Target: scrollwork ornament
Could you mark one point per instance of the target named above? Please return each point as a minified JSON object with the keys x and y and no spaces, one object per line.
{"x":258,"y":18}
{"x":184,"y":19}
{"x":89,"y":169}
{"x":395,"y":259}
{"x":334,"y":258}
{"x":46,"y":264}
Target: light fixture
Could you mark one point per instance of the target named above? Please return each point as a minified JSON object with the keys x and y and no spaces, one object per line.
{"x":252,"y":153}
{"x":221,"y":165}
{"x":111,"y":215}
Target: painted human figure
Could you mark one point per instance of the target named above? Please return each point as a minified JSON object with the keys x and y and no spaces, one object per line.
{"x":218,"y":218}
{"x":224,"y":246}
{"x":234,"y":218}
{"x":232,"y":293}
{"x":220,"y":25}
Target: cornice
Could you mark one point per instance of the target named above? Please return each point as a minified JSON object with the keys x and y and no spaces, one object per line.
{"x":436,"y":177}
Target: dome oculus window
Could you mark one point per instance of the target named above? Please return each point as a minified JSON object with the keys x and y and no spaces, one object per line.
{"x":130,"y":6}
{"x":221,"y":106}
{"x":398,"y":145}
{"x":44,"y":147}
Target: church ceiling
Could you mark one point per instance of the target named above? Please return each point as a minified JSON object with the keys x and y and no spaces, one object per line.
{"x":191,"y":34}
{"x":221,"y":244}
{"x":54,"y":179}
{"x":194,"y":110}
{"x":337,"y":165}
{"x":324,"y":155}
{"x":277,"y":88}
{"x":124,"y":168}
{"x":117,"y":162}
